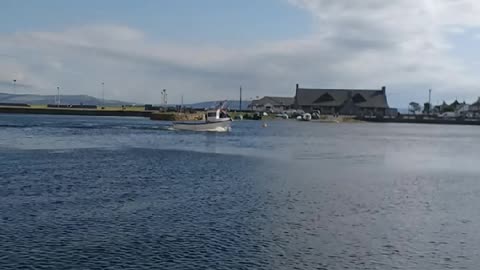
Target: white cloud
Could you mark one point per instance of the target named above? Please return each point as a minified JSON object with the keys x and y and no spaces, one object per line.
{"x":403,"y":40}
{"x":370,"y":43}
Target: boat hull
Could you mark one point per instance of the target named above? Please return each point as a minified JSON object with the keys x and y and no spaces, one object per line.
{"x":220,"y":126}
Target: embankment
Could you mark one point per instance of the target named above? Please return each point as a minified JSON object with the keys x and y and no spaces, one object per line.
{"x":71,"y":111}
{"x":176,"y":116}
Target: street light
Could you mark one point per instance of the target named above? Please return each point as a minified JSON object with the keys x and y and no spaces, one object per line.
{"x":14,"y":86}
{"x":103,"y":94}
{"x":58,"y":96}
{"x":164,"y":95}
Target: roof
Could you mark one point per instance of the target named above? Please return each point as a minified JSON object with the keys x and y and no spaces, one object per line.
{"x":285,"y":101}
{"x":455,"y":103}
{"x":476,"y":103}
{"x":338,"y":97}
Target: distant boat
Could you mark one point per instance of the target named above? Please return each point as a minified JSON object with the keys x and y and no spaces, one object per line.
{"x":305,"y":117}
{"x":215,"y":121}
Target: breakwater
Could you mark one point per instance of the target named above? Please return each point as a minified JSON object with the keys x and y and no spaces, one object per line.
{"x":106,"y":111}
{"x":73,"y":111}
{"x":174,"y":116}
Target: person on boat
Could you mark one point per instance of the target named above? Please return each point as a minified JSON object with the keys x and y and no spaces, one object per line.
{"x":223,"y":114}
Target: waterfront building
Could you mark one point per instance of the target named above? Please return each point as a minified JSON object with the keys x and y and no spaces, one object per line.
{"x":474,"y":108}
{"x":342,"y":101}
{"x":272,"y":104}
{"x":463,"y":110}
{"x":455,"y":108}
{"x":444,"y":107}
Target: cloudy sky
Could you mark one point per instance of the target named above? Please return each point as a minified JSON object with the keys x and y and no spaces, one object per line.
{"x":204,"y":50}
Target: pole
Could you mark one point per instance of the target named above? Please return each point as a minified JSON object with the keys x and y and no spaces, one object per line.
{"x":429,"y":100}
{"x":181,"y":108}
{"x":103,"y":94}
{"x":14,"y":86}
{"x":163,"y":97}
{"x":58,"y":95}
{"x":240,"y":98}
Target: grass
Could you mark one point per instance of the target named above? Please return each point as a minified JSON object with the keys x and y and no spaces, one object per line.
{"x":119,"y":108}
{"x":99,"y":108}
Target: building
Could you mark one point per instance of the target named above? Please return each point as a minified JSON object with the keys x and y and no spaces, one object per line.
{"x":342,"y":101}
{"x":455,"y":107}
{"x":463,"y":110}
{"x":272,"y":104}
{"x":474,"y":108}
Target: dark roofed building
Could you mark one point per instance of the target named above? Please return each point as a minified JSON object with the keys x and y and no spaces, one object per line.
{"x":475,"y":106}
{"x":342,"y":101}
{"x":272,"y":104}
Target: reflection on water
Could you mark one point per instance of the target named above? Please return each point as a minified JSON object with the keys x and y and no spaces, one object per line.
{"x":93,"y":193}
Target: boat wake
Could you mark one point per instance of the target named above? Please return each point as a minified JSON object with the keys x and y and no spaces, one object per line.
{"x":216,"y":129}
{"x":220,"y":129}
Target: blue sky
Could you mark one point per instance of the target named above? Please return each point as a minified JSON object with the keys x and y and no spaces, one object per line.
{"x":205,"y":50}
{"x":209,"y":21}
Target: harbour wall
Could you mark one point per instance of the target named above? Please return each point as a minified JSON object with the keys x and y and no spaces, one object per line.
{"x":70,"y":111}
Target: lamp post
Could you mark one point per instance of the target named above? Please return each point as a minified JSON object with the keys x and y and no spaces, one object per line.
{"x":103,"y":94}
{"x":240,"y":105}
{"x":164,"y":96}
{"x":15,"y":86}
{"x":429,"y":101}
{"x":58,"y":96}
{"x":181,"y":108}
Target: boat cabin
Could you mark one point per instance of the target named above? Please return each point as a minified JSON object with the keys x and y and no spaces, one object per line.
{"x":216,"y":115}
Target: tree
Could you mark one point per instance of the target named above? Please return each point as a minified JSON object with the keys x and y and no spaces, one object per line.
{"x":414,"y":107}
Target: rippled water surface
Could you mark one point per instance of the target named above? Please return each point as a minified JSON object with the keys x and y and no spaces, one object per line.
{"x":127,"y":193}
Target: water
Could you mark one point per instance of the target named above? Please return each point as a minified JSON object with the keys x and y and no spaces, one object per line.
{"x":127,"y":193}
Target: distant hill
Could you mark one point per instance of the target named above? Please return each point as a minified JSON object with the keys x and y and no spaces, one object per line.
{"x":50,"y":99}
{"x":231,"y":104}
{"x":89,"y":100}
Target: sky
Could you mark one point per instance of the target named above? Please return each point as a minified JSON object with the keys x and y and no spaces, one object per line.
{"x":205,"y":50}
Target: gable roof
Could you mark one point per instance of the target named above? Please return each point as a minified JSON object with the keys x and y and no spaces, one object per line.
{"x":476,"y":103}
{"x":285,"y":101}
{"x":324,"y":98}
{"x":371,"y":98}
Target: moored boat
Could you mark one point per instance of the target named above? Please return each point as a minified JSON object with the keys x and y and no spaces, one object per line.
{"x":305,"y":117}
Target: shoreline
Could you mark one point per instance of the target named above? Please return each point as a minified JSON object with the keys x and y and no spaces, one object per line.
{"x":421,"y":120}
{"x":177,"y":116}
{"x":73,"y":111}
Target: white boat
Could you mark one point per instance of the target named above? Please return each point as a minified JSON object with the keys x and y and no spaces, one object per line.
{"x":307,"y":117}
{"x":216,"y":121}
{"x":304,"y":117}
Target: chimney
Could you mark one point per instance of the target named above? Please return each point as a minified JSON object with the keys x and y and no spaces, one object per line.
{"x":295,"y":100}
{"x":384,"y":89}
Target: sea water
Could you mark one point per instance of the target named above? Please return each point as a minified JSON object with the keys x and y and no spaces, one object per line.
{"x":128,"y":193}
